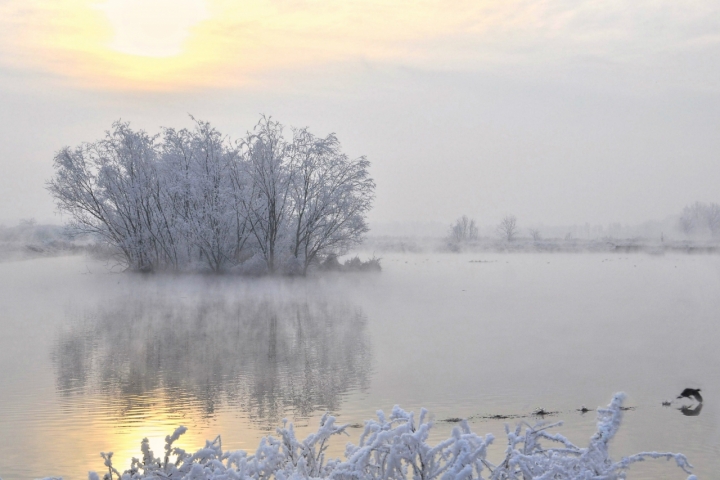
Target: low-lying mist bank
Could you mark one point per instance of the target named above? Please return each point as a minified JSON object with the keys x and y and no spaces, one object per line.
{"x":28,"y":240}
{"x":409,"y":244}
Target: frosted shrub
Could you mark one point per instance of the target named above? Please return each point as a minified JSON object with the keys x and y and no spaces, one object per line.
{"x":353,"y":264}
{"x":396,"y":447}
{"x":527,"y":458}
{"x":356,"y":265}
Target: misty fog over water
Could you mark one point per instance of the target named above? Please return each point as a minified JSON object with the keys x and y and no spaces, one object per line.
{"x":488,"y":209}
{"x":264,"y":357}
{"x":94,"y":360}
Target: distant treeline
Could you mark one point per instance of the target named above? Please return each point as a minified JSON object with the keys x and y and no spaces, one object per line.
{"x":29,"y":240}
{"x":192,"y":199}
{"x":698,"y":221}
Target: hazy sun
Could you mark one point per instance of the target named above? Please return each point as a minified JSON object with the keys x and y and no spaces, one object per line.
{"x":152,"y":28}
{"x":178,"y":44}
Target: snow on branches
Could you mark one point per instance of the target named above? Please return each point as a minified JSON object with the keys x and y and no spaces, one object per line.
{"x":192,"y":199}
{"x":396,"y":447}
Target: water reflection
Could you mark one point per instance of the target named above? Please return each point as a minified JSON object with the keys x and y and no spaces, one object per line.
{"x":265,"y":358}
{"x":691,"y":411}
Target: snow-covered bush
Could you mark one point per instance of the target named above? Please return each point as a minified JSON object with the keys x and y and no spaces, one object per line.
{"x":396,"y":447}
{"x":354,"y":264}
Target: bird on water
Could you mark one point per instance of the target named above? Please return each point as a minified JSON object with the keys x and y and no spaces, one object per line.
{"x":691,"y":393}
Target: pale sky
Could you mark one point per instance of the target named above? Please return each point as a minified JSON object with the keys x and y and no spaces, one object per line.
{"x":557,"y":111}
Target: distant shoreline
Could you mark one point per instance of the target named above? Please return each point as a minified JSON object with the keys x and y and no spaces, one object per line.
{"x":403,"y":244}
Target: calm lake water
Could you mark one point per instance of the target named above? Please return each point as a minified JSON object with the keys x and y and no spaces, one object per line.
{"x":93,"y":360}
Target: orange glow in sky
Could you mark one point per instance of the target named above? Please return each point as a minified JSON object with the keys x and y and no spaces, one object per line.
{"x":178,"y":44}
{"x":166,"y":45}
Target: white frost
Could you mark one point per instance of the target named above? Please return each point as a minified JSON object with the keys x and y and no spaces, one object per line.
{"x":396,"y":447}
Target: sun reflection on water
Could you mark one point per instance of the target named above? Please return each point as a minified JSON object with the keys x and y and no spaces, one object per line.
{"x":142,"y":366}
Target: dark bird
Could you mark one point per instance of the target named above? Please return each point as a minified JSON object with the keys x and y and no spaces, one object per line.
{"x":691,"y":393}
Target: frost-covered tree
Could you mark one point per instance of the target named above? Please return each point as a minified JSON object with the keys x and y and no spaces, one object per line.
{"x":192,"y":199}
{"x":267,"y":205}
{"x":111,"y":188}
{"x":508,"y":227}
{"x":700,"y":218}
{"x":198,"y":166}
{"x":464,"y":230}
{"x":712,"y":217}
{"x":331,"y":195}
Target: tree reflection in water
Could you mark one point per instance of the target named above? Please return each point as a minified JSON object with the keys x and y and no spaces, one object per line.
{"x":266,"y":358}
